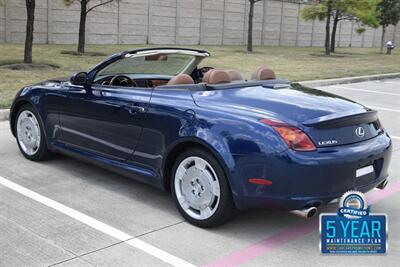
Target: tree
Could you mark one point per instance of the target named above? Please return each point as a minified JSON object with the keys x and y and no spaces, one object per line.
{"x":321,"y":10}
{"x":388,"y":14}
{"x":361,"y":11}
{"x":30,"y":15}
{"x":250,"y":29}
{"x":85,"y":9}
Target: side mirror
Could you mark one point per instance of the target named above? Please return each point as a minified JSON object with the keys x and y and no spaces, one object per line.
{"x":79,"y":78}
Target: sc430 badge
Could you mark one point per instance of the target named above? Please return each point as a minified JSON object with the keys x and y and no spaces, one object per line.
{"x":327,"y":142}
{"x":353,"y":229}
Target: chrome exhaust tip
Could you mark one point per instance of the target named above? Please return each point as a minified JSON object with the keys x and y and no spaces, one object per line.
{"x":382,"y":185}
{"x":305,"y":213}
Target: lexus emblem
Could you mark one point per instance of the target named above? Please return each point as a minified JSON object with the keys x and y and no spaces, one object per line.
{"x":360,"y":132}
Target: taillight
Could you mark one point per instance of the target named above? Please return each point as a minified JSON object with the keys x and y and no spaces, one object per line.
{"x":295,"y":138}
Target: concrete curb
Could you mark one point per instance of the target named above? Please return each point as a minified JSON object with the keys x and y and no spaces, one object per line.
{"x":345,"y":80}
{"x":4,"y":114}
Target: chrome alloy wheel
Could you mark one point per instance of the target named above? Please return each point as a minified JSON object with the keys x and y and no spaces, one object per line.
{"x":28,"y":132}
{"x":197,"y":188}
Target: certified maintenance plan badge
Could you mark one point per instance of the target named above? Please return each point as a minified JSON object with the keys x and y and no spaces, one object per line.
{"x":353,"y":230}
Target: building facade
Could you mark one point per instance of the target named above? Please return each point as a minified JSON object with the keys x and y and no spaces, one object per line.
{"x":182,"y":22}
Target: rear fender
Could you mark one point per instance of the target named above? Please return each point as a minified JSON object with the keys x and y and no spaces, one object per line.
{"x":229,"y":139}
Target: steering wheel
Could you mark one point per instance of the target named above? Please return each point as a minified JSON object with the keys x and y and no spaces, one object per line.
{"x":122,"y":80}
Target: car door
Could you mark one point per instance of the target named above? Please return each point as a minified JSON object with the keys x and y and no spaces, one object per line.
{"x":105,"y":120}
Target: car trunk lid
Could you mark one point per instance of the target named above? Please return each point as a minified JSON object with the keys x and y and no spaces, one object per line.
{"x":343,"y":128}
{"x":328,"y":119}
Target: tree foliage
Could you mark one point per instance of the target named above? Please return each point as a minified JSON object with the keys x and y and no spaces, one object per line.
{"x":388,"y":12}
{"x":363,"y":12}
{"x":317,"y":11}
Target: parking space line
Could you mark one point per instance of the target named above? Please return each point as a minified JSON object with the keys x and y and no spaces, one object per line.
{"x":384,"y":109}
{"x":363,"y":90}
{"x":395,"y":83}
{"x":283,"y":237}
{"x":394,"y":137}
{"x":98,"y":225}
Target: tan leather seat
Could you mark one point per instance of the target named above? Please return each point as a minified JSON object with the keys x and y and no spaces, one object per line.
{"x":181,"y":79}
{"x":216,"y":76}
{"x":263,"y":73}
{"x":206,"y":76}
{"x":234,"y":75}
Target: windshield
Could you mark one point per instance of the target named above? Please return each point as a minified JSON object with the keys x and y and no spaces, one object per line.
{"x":164,"y":64}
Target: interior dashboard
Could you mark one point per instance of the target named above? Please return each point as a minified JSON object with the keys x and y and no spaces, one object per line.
{"x":145,"y":80}
{"x":126,"y":80}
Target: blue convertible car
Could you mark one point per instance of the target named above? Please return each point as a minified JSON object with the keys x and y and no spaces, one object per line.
{"x":217,"y":141}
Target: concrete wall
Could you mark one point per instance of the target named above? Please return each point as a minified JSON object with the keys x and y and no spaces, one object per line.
{"x":184,"y":22}
{"x":2,"y":24}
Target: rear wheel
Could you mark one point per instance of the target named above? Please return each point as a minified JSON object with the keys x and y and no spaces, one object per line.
{"x":30,"y":134}
{"x":200,"y":189}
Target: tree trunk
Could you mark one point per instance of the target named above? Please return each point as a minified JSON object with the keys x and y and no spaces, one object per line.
{"x":383,"y":38}
{"x":334,"y":28}
{"x":250,"y":30}
{"x":30,"y":19}
{"x":82,"y":27}
{"x":328,"y":29}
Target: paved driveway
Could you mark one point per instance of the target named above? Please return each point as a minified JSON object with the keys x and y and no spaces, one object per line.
{"x":66,"y":213}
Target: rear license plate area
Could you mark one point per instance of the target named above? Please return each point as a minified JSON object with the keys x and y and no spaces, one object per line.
{"x":364,"y":171}
{"x":366,"y":174}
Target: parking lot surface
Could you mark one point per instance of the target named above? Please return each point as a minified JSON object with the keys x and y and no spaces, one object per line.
{"x":63,"y":212}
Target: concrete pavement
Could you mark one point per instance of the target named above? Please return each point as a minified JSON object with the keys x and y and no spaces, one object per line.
{"x":38,"y":235}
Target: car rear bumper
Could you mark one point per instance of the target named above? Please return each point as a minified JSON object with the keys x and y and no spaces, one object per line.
{"x":303,"y":179}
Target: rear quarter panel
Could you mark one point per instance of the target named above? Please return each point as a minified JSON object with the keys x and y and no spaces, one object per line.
{"x":173,"y":118}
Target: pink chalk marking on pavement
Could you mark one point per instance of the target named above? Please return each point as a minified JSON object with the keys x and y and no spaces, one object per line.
{"x":280,"y":238}
{"x":389,"y":190}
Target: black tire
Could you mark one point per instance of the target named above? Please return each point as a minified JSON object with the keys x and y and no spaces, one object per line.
{"x":42,"y":152}
{"x":226,"y":208}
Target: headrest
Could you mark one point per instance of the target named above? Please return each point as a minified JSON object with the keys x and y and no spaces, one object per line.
{"x":206,"y":76}
{"x":234,"y":75}
{"x":263,"y":73}
{"x":181,"y":79}
{"x":216,"y":76}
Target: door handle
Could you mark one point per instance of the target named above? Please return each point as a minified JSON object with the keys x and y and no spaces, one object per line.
{"x":135,"y":109}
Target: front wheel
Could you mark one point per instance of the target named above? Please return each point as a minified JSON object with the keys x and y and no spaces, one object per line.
{"x":200,"y":189}
{"x":30,"y":134}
